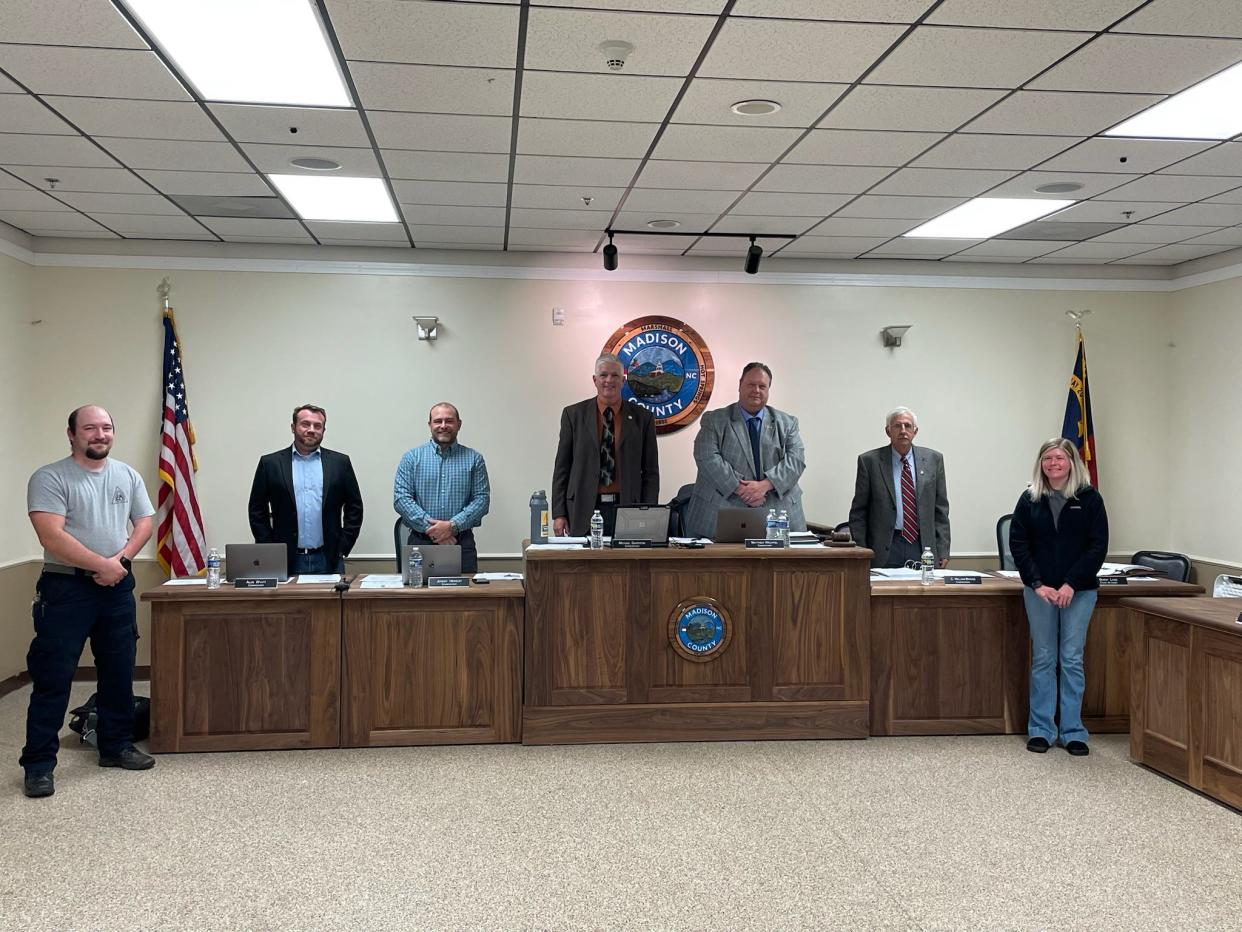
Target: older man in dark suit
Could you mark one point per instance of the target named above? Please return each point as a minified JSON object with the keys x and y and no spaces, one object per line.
{"x":901,"y":503}
{"x":307,"y":498}
{"x":606,"y":456}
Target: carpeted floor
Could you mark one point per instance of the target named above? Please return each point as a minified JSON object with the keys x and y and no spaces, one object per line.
{"x":891,"y":833}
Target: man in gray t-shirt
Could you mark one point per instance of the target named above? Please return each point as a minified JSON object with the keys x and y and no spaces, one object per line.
{"x":92,"y":515}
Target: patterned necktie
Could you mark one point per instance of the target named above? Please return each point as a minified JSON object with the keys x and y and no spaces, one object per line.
{"x":755,"y":426}
{"x":607,"y":462}
{"x":909,"y":504}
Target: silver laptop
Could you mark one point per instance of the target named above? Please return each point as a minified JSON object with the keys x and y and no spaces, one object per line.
{"x":643,"y":522}
{"x":734,"y":525}
{"x":438,"y":560}
{"x":256,"y":561}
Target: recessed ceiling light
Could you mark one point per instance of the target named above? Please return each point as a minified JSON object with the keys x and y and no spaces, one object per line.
{"x":356,"y":200}
{"x":273,"y":52}
{"x":1059,"y":187}
{"x":1209,"y":110}
{"x":984,"y":217}
{"x":664,"y":224}
{"x":316,"y":164}
{"x":755,"y":107}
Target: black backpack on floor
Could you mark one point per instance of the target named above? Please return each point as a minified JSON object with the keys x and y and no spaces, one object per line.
{"x":83,"y":720}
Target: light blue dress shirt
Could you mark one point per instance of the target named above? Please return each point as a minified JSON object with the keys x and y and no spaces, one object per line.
{"x":308,"y":494}
{"x":438,"y":485}
{"x":897,"y":485}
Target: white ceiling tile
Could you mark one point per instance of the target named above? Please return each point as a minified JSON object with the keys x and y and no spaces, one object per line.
{"x":565,"y":197}
{"x":531,"y":237}
{"x":154,"y":227}
{"x":522,"y":247}
{"x":177,"y":155}
{"x":957,"y":57}
{"x":378,"y":243}
{"x":28,"y":199}
{"x":983,"y":150}
{"x":1230,"y":237}
{"x":906,"y":208}
{"x":67,"y":22}
{"x":1013,"y":248}
{"x":61,"y":220}
{"x":150,"y":204}
{"x":873,"y":11}
{"x":1123,"y":156}
{"x":9,"y":183}
{"x":1096,"y":250}
{"x":832,"y":245}
{"x":582,"y":219}
{"x":1175,"y":17}
{"x":609,"y":97}
{"x":821,"y":179}
{"x":91,"y":72}
{"x":584,"y":137}
{"x":348,"y":232}
{"x":446,"y":166}
{"x":463,"y":194}
{"x":690,"y":222}
{"x":1059,"y":113}
{"x":108,"y":180}
{"x":472,"y":247}
{"x":20,"y":149}
{"x":1225,"y":159}
{"x":748,"y":225}
{"x":450,"y":215}
{"x":138,"y":119}
{"x":1092,"y":15}
{"x":22,"y":113}
{"x":97,"y":233}
{"x":734,"y":246}
{"x":1172,"y":255}
{"x":726,"y":176}
{"x":739,"y":143}
{"x":767,"y":203}
{"x":568,"y":40}
{"x":247,"y":123}
{"x":651,"y":245}
{"x":277,"y":160}
{"x":860,"y":147}
{"x":545,"y":169}
{"x":923,"y":247}
{"x":650,"y":199}
{"x":864,"y":226}
{"x":949,"y":182}
{"x":220,"y":184}
{"x":233,"y":227}
{"x":778,"y":50}
{"x":1206,"y":215}
{"x":1171,"y":188}
{"x":8,"y":87}
{"x":1024,"y":185}
{"x":300,"y":239}
{"x":634,"y":6}
{"x":1141,"y":64}
{"x":1113,"y":211}
{"x":1153,"y":233}
{"x":494,"y":236}
{"x":968,"y":256}
{"x":426,"y":33}
{"x":434,"y":89}
{"x":1229,"y":197}
{"x":441,"y":132}
{"x":871,"y":106}
{"x":709,"y":100}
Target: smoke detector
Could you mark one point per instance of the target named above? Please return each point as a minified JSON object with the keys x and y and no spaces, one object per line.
{"x":615,"y":53}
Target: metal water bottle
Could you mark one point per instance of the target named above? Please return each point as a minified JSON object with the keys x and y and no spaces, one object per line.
{"x":597,"y":531}
{"x":540,"y":519}
{"x":927,"y":562}
{"x":213,"y":569}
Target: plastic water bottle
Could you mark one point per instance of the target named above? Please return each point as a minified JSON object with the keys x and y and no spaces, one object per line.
{"x":416,"y":568}
{"x":213,"y":569}
{"x":782,"y":528}
{"x":928,"y":565}
{"x":539,"y":522}
{"x":597,"y":531}
{"x":773,"y":533}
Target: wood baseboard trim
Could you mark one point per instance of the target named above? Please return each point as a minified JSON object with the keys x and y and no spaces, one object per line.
{"x":18,"y":680}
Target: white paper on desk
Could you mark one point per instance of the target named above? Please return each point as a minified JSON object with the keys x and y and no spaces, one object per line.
{"x":564,"y":540}
{"x":191,"y":581}
{"x":899,"y":573}
{"x":941,"y":574}
{"x":804,"y":544}
{"x":1149,"y":579}
{"x":381,"y":581}
{"x":554,"y":547}
{"x":498,"y":577}
{"x":319,"y":578}
{"x":1009,"y":574}
{"x":682,"y":541}
{"x":1121,"y":569}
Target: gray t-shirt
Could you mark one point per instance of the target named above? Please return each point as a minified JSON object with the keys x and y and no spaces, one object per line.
{"x":1056,"y":501}
{"x":97,"y":506}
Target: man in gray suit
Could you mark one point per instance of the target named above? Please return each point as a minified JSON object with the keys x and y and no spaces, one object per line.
{"x":606,"y":456}
{"x":901,"y":504}
{"x":749,"y":456}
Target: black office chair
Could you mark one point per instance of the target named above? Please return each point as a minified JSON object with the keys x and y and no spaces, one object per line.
{"x":1174,"y":565}
{"x":677,"y":511}
{"x":400,"y":537}
{"x":1002,"y":543}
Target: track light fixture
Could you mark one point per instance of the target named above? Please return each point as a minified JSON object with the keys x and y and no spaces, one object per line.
{"x":753,"y":254}
{"x":610,"y":256}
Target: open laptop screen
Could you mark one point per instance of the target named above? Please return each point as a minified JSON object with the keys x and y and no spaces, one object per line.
{"x":642,"y":522}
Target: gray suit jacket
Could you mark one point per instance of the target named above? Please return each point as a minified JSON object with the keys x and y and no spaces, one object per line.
{"x":722,"y":452}
{"x":873,"y":514}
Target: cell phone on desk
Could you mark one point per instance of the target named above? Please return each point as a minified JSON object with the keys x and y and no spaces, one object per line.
{"x":482,"y":582}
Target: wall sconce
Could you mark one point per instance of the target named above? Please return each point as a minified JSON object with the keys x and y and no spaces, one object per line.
{"x":892,"y":335}
{"x":427,"y":328}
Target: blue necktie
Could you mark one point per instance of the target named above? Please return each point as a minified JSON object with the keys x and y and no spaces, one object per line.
{"x":755,"y":425}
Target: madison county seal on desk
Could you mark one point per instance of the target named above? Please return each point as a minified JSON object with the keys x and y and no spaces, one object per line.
{"x":700,"y":628}
{"x":668,"y":369}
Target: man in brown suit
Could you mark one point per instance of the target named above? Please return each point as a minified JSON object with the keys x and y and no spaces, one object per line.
{"x":606,"y":456}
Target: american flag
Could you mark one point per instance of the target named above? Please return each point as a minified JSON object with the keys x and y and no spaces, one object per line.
{"x":182,"y":547}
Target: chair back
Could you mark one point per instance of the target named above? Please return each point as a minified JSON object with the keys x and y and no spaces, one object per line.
{"x":1227,"y":587}
{"x":400,"y":537}
{"x":1002,"y":543}
{"x":1174,"y":565}
{"x":677,"y":511}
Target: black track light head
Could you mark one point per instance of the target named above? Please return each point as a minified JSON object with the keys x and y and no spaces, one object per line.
{"x":753,"y":255}
{"x":610,"y":256}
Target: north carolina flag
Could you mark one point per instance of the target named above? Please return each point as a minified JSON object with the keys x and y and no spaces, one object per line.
{"x":1078,"y":427}
{"x":181,"y":545}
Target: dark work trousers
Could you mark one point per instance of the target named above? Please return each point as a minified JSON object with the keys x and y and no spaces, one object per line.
{"x":465,"y":540}
{"x":67,"y":611}
{"x":904,"y":551}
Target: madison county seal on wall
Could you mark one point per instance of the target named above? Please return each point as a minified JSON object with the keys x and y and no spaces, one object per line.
{"x":699,"y":628}
{"x":668,"y":369}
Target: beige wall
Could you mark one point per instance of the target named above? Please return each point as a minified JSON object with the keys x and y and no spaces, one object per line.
{"x":16,"y":313}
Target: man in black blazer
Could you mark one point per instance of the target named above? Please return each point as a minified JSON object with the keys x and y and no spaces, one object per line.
{"x":879,"y":517}
{"x":307,"y":498}
{"x":606,"y":456}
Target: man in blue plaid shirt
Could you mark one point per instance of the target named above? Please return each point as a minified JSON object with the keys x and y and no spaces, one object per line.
{"x":441,"y":489}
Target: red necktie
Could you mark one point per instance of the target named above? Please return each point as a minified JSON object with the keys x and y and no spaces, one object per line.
{"x":909,"y":504}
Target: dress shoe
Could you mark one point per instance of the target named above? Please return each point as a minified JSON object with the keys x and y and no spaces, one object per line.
{"x":1038,"y":745}
{"x":129,"y":759}
{"x":39,"y":784}
{"x":1078,"y":748}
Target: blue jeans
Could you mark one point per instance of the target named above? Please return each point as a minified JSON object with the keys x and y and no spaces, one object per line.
{"x":1058,"y":636}
{"x":314,"y":564}
{"x":67,"y":611}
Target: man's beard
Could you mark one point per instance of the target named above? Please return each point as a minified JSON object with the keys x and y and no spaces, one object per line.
{"x":92,"y":453}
